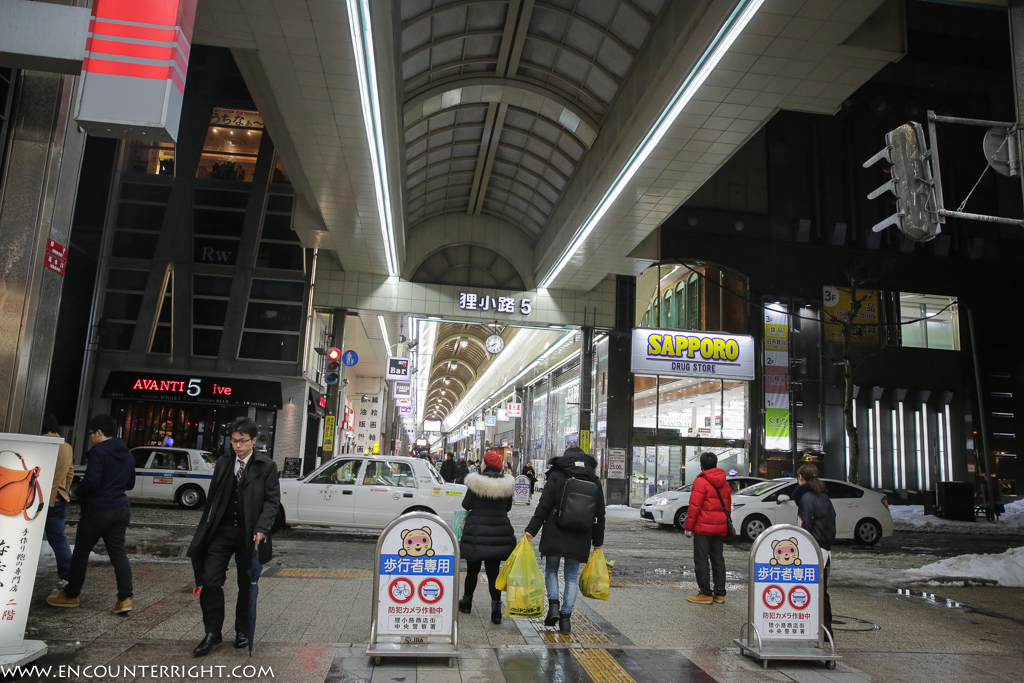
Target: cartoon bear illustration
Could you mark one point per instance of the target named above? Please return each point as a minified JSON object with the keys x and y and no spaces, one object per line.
{"x":416,"y":543}
{"x":787,"y":552}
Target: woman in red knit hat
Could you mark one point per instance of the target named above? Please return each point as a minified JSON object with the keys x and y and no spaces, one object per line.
{"x":488,"y":537}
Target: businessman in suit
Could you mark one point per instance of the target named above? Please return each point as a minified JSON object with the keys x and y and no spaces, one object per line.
{"x":241,"y":507}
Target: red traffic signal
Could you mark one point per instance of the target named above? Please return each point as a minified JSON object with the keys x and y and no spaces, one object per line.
{"x":333,"y":353}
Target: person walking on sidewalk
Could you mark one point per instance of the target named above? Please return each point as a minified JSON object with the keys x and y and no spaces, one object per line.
{"x":488,"y":537}
{"x":448,"y":468}
{"x":461,"y":470}
{"x":818,"y":516}
{"x":105,"y":514}
{"x":571,"y":510}
{"x":57,"y":513}
{"x":707,"y":521}
{"x":530,"y":474}
{"x":241,"y":507}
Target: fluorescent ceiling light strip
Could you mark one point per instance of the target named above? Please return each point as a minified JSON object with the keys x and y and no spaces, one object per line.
{"x":728,"y":34}
{"x":384,"y":331}
{"x":366,"y":70}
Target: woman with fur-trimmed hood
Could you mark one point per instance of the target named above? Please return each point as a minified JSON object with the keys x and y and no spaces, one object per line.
{"x":487,"y":537}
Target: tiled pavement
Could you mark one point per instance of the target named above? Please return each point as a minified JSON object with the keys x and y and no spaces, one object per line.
{"x":313,"y":626}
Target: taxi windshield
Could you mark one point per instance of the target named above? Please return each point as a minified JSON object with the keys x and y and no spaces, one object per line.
{"x":433,"y":473}
{"x":759,"y":488}
{"x":208,"y":458}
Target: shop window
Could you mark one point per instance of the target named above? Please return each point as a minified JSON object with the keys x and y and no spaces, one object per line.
{"x":273,"y":347}
{"x":151,"y":158}
{"x":666,"y":310}
{"x":693,"y":302}
{"x":929,"y":321}
{"x":680,"y":298}
{"x":161,"y":342}
{"x":231,"y":146}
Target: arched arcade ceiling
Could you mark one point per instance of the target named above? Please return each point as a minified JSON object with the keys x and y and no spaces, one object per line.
{"x":459,"y":360}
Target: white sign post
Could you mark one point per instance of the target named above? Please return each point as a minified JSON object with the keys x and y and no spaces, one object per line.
{"x":616,"y":463}
{"x":522,"y":493}
{"x":415,"y":590}
{"x":26,"y":473}
{"x":785,"y":603}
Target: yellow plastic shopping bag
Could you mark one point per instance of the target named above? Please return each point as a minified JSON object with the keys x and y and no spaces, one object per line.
{"x":502,"y":579}
{"x":595,"y":581}
{"x":524,"y":588}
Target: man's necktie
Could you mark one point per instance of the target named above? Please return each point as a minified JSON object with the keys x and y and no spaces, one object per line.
{"x":241,"y":468}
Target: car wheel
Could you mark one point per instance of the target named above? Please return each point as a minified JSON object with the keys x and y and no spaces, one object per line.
{"x":680,"y":520}
{"x":190,"y":497}
{"x":753,"y":526}
{"x":867,"y":532}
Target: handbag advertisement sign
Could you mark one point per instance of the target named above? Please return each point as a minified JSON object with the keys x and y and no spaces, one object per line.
{"x":26,"y":474}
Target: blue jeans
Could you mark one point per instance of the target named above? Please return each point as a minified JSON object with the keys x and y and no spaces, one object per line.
{"x":572,"y":576}
{"x":55,"y":518}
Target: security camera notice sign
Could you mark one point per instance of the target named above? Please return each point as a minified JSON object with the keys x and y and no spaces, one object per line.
{"x":786,"y":585}
{"x":416,"y":587}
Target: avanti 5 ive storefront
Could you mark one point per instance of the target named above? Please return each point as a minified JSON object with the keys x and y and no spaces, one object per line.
{"x":691,"y":394}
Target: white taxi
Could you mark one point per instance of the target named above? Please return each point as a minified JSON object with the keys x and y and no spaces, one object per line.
{"x":669,"y":508}
{"x":367,"y":492}
{"x":164,"y":473}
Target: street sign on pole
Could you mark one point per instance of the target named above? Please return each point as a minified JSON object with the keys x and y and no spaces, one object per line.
{"x":350,"y":358}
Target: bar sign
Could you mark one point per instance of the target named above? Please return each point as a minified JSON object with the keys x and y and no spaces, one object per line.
{"x":57,"y":249}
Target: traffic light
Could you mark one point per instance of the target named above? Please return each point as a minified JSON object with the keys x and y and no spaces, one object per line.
{"x":917,"y":210}
{"x":333,"y":372}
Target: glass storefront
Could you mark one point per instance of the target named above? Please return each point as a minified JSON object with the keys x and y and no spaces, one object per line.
{"x":553,"y":403}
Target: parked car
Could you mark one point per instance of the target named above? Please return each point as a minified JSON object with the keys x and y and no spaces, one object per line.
{"x":861,"y":513}
{"x":162,"y":473}
{"x":669,"y":508}
{"x":367,"y":492}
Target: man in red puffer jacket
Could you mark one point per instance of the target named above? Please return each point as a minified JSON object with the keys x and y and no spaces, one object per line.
{"x":707,"y":522}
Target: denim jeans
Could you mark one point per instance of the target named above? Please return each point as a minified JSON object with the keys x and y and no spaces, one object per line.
{"x":55,"y":518}
{"x":572,"y":577}
{"x":109,"y":525}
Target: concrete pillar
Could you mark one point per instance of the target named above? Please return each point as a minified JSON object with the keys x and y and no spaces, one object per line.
{"x":44,"y":156}
{"x":620,"y":386}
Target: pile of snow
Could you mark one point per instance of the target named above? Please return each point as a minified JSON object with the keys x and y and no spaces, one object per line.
{"x":1006,"y":568}
{"x":912,"y":517}
{"x":621,"y":512}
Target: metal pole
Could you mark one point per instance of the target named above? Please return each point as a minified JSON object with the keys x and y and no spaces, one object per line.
{"x":988,"y":489}
{"x":945,"y":213}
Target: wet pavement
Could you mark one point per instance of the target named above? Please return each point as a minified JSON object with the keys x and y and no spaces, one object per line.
{"x":315,"y":600}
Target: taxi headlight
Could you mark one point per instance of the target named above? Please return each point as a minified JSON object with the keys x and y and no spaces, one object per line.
{"x":658,"y":502}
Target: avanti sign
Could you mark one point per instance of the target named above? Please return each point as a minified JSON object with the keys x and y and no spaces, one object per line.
{"x":692,"y":354}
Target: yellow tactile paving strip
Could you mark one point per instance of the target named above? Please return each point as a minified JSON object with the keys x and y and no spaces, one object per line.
{"x":601,"y":666}
{"x":583,"y":631}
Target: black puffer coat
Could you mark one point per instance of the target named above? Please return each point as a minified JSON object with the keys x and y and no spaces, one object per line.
{"x":488,"y":533}
{"x":556,"y":541}
{"x":817,"y":515}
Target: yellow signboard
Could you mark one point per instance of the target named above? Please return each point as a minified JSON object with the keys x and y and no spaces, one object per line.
{"x":585,"y":440}
{"x":329,"y":433}
{"x":838,"y":303}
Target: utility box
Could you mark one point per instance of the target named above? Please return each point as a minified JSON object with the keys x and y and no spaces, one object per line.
{"x":955,"y":501}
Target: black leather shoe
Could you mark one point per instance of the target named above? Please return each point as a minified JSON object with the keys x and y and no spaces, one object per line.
{"x":209,"y":643}
{"x":564,"y":626}
{"x":241,"y":640}
{"x":552,"y":618}
{"x":466,"y":604}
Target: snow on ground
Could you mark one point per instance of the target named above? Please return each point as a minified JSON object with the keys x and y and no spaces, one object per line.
{"x":912,"y":518}
{"x":1007,"y":568}
{"x":622,"y":512}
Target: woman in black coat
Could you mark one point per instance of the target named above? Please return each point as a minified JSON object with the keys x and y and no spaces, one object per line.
{"x":487,"y":537}
{"x":817,"y":516}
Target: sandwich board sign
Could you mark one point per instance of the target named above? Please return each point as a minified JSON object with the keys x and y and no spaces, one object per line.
{"x":415,"y":590}
{"x":785,"y":608}
{"x":522,"y":492}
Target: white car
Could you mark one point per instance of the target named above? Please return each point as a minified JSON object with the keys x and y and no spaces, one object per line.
{"x":367,"y":492}
{"x":165,"y":473}
{"x":670,"y":507}
{"x":861,"y":513}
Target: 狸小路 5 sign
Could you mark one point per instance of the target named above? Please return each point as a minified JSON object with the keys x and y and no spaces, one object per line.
{"x":692,"y":354}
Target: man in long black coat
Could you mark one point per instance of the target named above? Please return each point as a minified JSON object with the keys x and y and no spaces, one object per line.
{"x":241,"y":507}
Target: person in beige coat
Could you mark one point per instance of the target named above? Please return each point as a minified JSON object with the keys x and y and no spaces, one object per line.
{"x":59,"y":497}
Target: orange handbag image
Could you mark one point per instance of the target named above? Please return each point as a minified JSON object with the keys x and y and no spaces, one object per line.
{"x":19,"y":490}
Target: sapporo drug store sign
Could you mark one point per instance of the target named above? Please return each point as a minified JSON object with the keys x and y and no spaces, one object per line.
{"x":786,"y":591}
{"x":416,"y":588}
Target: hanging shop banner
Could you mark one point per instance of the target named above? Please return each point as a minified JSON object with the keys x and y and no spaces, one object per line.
{"x":402,"y":390}
{"x":397,"y":368}
{"x":329,"y":433}
{"x":838,"y":304}
{"x":490,"y":420}
{"x":26,"y":465}
{"x":175,"y":388}
{"x":515,"y":409}
{"x":415,"y":590}
{"x":776,"y":377}
{"x":431,"y":425}
{"x":673,"y":353}
{"x":368,"y":420}
{"x":133,"y":74}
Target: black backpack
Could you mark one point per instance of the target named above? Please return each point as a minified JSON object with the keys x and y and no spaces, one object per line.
{"x":578,"y":507}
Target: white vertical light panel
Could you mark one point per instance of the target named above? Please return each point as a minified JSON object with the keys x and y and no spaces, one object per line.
{"x":920,"y":456}
{"x":949,"y":445}
{"x":871,"y":447}
{"x":878,"y":441}
{"x":902,"y":445}
{"x":924,"y":449}
{"x":847,"y":438}
{"x":941,"y":443}
{"x":895,"y":450}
